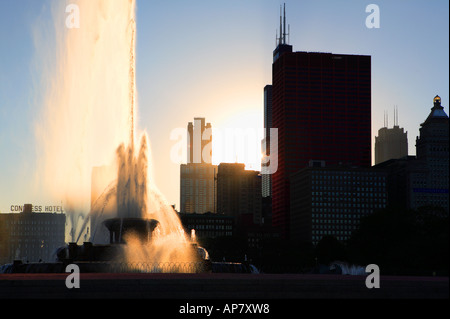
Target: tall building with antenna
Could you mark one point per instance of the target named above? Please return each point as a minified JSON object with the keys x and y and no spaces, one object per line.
{"x":391,"y":143}
{"x":282,"y":44}
{"x":198,"y":176}
{"x":422,"y":180}
{"x":321,"y":106}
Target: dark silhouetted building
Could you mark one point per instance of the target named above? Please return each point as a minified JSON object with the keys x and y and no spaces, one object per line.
{"x":332,"y":200}
{"x":422,"y":180}
{"x":239,"y":193}
{"x":321,"y":106}
{"x":391,"y":143}
{"x":432,"y":151}
{"x":398,"y":179}
{"x":31,"y":236}
{"x":208,"y":225}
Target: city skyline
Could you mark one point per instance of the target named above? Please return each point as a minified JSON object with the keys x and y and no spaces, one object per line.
{"x":192,"y":62}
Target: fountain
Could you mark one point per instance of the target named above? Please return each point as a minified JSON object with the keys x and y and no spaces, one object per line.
{"x":89,"y":120}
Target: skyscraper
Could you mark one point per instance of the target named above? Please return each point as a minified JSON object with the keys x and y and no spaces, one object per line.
{"x":432,"y":152}
{"x":197,"y":188}
{"x":31,"y":236}
{"x":197,"y":177}
{"x":332,"y":200}
{"x":321,"y":106}
{"x":391,"y":143}
{"x":239,"y":192}
{"x":199,"y":148}
{"x":422,"y":180}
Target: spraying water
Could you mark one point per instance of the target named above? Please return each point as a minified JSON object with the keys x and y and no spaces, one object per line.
{"x":88,"y":121}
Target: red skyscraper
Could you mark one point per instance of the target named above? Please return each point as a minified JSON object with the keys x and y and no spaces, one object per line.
{"x":321,"y":106}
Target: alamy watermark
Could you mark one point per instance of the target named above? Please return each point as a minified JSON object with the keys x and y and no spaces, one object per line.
{"x":373,"y":19}
{"x":249,"y":143}
{"x":73,"y":280}
{"x":373,"y":279}
{"x":73,"y":17}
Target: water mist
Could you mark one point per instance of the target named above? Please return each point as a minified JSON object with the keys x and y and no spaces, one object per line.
{"x":88,"y":121}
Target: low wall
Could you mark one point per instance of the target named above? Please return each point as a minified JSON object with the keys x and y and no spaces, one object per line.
{"x":219,"y":286}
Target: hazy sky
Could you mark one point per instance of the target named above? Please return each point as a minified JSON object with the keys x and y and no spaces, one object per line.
{"x":212,"y":59}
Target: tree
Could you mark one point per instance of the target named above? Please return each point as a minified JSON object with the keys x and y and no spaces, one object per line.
{"x":402,"y":241}
{"x":329,"y":249}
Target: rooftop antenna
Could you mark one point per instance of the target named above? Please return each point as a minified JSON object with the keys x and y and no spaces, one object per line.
{"x":394,"y":115}
{"x":284,"y":24}
{"x":397,"y":115}
{"x":281,"y":30}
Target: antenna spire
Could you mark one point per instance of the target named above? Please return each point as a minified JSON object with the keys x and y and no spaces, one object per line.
{"x":282,"y":39}
{"x":395,"y":115}
{"x":281,"y":30}
{"x":284,"y":24}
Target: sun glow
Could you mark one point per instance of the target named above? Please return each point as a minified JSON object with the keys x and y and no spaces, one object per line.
{"x":237,"y":137}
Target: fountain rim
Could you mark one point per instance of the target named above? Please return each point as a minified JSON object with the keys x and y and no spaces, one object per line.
{"x":127,"y":221}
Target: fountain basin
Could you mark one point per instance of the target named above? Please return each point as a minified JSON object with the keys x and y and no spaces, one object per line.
{"x":120,"y":227}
